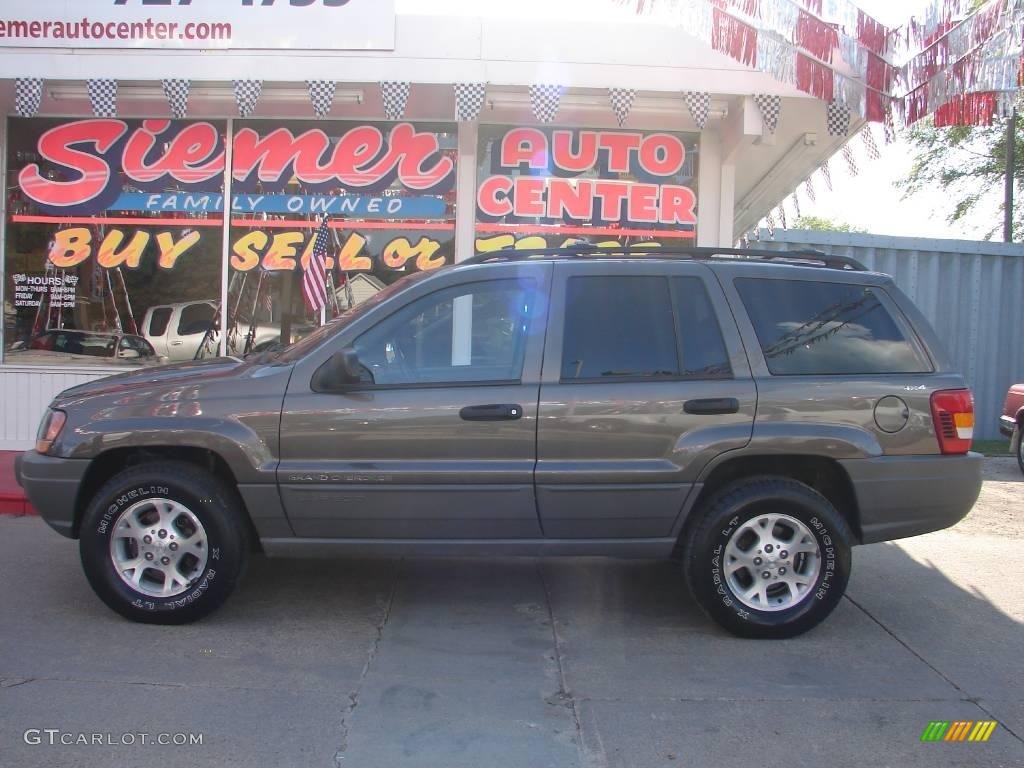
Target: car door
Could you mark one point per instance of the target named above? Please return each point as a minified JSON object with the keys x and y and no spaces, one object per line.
{"x":189,"y":329}
{"x":439,"y":441}
{"x":644,"y":381}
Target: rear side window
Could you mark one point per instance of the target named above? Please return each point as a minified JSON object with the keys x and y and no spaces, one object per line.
{"x":814,"y":328}
{"x":196,"y":318}
{"x":158,"y":321}
{"x":624,"y":327}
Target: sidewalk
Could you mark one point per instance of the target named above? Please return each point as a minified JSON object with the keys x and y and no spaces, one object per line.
{"x":12,"y":497}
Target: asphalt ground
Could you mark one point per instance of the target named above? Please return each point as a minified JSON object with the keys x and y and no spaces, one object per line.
{"x":521,"y":662}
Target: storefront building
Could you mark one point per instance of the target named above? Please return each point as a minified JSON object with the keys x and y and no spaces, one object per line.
{"x":168,"y":167}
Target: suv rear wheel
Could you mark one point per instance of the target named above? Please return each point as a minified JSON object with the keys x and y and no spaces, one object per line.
{"x":768,"y":558}
{"x":164,"y":543}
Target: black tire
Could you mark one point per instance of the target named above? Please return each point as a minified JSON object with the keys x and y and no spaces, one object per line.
{"x":725,"y":514}
{"x":1020,"y":447}
{"x":216,"y":506}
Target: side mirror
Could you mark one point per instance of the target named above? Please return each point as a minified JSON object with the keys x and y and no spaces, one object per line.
{"x":341,"y":370}
{"x":128,"y":354}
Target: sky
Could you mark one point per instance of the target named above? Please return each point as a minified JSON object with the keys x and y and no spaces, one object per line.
{"x":868,"y":201}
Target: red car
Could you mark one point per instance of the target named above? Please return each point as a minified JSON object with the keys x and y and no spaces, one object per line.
{"x":1012,"y":418}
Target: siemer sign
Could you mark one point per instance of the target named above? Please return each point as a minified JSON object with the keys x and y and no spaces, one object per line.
{"x":199,"y":24}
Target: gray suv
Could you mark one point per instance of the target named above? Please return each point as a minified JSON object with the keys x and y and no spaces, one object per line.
{"x":752,"y":414}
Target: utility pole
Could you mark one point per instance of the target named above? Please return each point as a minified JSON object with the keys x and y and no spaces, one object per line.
{"x":1011,"y":147}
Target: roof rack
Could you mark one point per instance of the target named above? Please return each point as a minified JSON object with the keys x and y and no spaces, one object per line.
{"x":806,"y":257}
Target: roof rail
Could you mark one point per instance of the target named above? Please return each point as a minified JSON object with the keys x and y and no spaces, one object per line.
{"x":804,"y":257}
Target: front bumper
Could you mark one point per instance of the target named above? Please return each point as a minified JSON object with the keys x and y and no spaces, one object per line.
{"x":51,"y":484}
{"x":900,"y":496}
{"x":1007,"y":425}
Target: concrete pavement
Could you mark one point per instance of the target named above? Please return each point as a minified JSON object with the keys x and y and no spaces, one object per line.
{"x":526,"y":663}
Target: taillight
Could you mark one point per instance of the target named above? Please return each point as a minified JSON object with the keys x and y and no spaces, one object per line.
{"x":953,"y":413}
{"x":50,"y":427}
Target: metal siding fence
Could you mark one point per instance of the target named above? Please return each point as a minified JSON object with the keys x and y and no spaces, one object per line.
{"x":971,"y":292}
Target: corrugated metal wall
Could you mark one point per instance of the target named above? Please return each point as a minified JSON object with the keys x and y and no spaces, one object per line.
{"x":26,"y":393}
{"x":971,"y":291}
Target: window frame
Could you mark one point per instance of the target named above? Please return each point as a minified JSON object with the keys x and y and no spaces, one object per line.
{"x":533,"y":285}
{"x":672,"y":292}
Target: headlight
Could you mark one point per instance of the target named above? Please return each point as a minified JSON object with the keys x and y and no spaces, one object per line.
{"x":49,"y":429}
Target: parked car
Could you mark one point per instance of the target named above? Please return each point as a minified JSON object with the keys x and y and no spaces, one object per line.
{"x":88,"y":347}
{"x":1011,"y":423}
{"x":753,"y":414}
{"x":178,"y":330}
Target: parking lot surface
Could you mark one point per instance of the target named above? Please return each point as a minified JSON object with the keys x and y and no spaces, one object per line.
{"x":522,"y":662}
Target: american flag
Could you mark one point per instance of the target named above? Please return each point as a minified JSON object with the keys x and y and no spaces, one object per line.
{"x":314,"y":279}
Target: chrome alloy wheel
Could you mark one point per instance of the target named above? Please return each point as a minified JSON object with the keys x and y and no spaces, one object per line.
{"x":158,"y":547}
{"x":772,"y":562}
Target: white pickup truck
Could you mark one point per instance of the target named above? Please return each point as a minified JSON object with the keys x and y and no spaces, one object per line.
{"x":177,"y":330}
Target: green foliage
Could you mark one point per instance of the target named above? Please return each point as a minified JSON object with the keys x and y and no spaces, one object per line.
{"x":822,"y":224}
{"x":968,"y":164}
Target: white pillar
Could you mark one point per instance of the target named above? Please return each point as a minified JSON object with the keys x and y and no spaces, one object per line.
{"x":465,"y":192}
{"x":709,"y":190}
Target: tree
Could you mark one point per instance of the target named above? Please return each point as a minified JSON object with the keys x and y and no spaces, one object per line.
{"x":822,"y":224}
{"x":968,"y":163}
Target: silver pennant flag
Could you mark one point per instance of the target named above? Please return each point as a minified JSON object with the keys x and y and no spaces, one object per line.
{"x":396,"y":97}
{"x":247,"y":93}
{"x":28,"y":95}
{"x":177,"y":92}
{"x":103,"y":97}
{"x":321,"y":94}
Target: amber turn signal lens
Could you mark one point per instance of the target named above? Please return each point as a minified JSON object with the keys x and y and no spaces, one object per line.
{"x":52,"y":424}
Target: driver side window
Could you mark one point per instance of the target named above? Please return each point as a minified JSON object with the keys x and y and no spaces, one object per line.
{"x":469,"y":333}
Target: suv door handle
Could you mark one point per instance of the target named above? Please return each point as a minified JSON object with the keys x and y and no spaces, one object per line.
{"x":494,"y":412}
{"x":712,"y":405}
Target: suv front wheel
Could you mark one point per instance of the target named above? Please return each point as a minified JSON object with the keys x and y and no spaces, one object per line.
{"x":769,"y":557}
{"x":164,"y":543}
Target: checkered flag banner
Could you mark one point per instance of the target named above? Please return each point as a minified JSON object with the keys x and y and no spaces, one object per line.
{"x":176,"y":92}
{"x":868,"y":137}
{"x":621,"y":100}
{"x":699,"y":104}
{"x":770,"y":107}
{"x":809,"y":189}
{"x":851,"y":161}
{"x":28,"y":95}
{"x":889,"y":128}
{"x":321,"y":94}
{"x":826,"y":174}
{"x":796,"y":203}
{"x":781,"y":210}
{"x":545,"y":100}
{"x":103,"y":97}
{"x":396,"y":96}
{"x":469,"y":100}
{"x":247,"y":93}
{"x":838,"y":118}
{"x":769,"y":222}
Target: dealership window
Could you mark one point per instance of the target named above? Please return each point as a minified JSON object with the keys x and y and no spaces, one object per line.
{"x":115,"y":229}
{"x":540,"y":187}
{"x":106,"y":221}
{"x":389,"y":189}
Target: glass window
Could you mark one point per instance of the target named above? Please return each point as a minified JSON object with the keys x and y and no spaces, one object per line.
{"x":703,"y":349}
{"x":388,"y":218}
{"x":107,"y":219}
{"x":158,"y":320}
{"x":196,"y":318}
{"x":546,"y":187}
{"x":827,"y":328}
{"x":618,"y":327}
{"x":473,"y":333}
